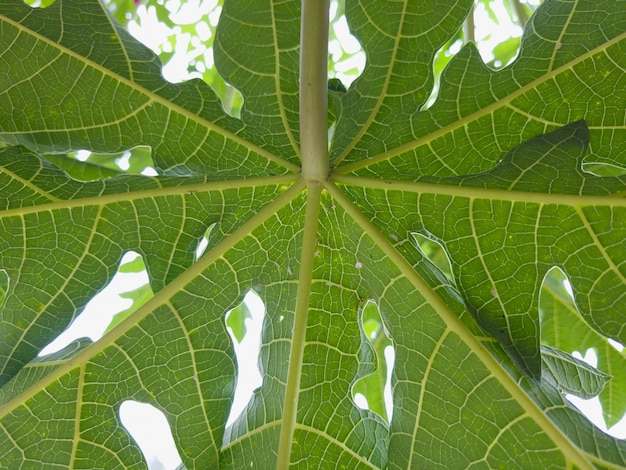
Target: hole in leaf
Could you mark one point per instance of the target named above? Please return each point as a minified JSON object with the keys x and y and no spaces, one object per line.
{"x":203,"y":243}
{"x":123,"y":11}
{"x":244,"y":324}
{"x":557,"y":308}
{"x":618,"y":346}
{"x":435,"y":252}
{"x":88,"y":166}
{"x":149,"y":428}
{"x":232,"y":99}
{"x":128,"y":290}
{"x":135,"y":161}
{"x":347,"y":57}
{"x":556,"y":304}
{"x":590,"y":357}
{"x":497,"y":35}
{"x":373,"y":392}
{"x":442,"y":57}
{"x":505,"y":52}
{"x":4,"y":285}
{"x":592,"y":408}
{"x":361,"y":401}
{"x":390,"y":357}
{"x":603,"y":169}
{"x":182,"y":35}
{"x":39,"y":3}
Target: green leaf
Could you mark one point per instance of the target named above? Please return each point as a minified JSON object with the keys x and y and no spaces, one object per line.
{"x":138,"y":296}
{"x":111,"y":97}
{"x":562,"y":327}
{"x":372,"y":386}
{"x":250,"y":49}
{"x":447,"y":217}
{"x":572,"y":375}
{"x":83,"y":171}
{"x":501,"y":245}
{"x":134,"y":266}
{"x":236,"y":320}
{"x":97,"y":166}
{"x":506,"y":51}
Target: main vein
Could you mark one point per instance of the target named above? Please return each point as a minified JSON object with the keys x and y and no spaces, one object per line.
{"x":299,"y":328}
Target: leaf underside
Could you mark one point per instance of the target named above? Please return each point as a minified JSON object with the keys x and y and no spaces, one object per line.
{"x":493,"y":171}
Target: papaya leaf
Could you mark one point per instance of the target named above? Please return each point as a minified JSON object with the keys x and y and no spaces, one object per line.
{"x":562,"y":327}
{"x":571,"y":374}
{"x":492,"y":171}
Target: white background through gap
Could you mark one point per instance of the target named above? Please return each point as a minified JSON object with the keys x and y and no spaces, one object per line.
{"x":145,"y":423}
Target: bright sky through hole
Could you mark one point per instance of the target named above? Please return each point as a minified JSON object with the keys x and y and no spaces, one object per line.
{"x":97,"y":315}
{"x":94,"y":320}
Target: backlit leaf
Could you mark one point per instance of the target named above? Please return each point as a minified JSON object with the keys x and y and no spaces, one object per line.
{"x":493,"y":171}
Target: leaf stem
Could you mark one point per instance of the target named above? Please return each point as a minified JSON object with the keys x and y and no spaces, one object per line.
{"x":522,"y":16}
{"x":315,"y":169}
{"x":314,"y":90}
{"x":469,"y":28}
